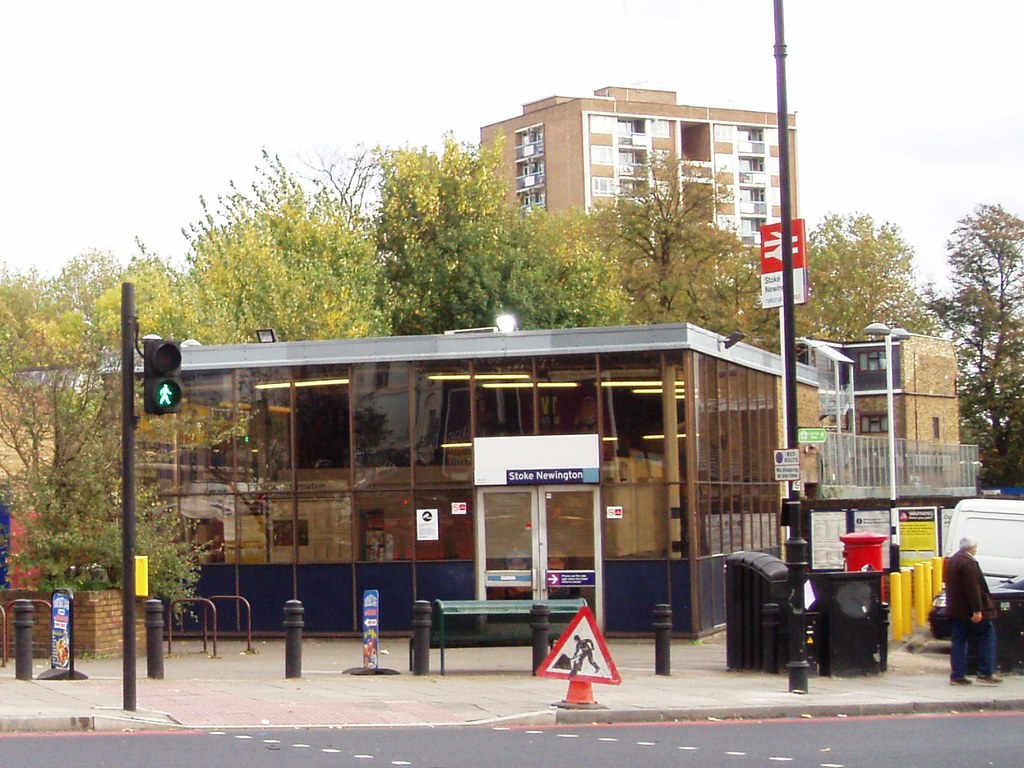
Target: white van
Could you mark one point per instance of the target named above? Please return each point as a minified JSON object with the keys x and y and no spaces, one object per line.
{"x":998,"y":527}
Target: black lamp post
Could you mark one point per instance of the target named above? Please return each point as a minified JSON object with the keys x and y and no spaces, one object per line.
{"x":796,"y":545}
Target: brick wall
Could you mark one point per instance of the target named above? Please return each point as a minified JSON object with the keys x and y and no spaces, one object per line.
{"x":97,"y":621}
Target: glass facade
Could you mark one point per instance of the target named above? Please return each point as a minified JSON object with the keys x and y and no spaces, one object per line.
{"x":329,"y":464}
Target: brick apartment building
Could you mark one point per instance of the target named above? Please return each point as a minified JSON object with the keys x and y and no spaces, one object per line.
{"x":567,"y":152}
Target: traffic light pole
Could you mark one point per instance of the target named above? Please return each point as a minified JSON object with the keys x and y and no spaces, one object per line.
{"x":129,"y":328}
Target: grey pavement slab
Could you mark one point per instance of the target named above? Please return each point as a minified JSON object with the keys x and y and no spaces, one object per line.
{"x":237,"y":689}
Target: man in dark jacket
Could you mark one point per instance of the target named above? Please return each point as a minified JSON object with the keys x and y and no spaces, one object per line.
{"x":970,"y":610}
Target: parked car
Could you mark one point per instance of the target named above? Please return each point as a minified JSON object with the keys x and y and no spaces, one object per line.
{"x":998,"y":527}
{"x":938,"y":622}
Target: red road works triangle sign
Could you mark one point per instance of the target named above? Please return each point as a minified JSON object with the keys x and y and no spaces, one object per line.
{"x":581,"y":655}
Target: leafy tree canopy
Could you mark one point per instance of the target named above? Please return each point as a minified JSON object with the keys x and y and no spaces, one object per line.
{"x":860,"y":273}
{"x":984,"y":313}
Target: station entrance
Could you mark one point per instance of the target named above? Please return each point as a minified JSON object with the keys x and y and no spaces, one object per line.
{"x":538,"y":543}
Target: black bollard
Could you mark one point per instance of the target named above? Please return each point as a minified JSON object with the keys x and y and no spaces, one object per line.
{"x":540,"y":623}
{"x":421,"y":638}
{"x":662,"y":639}
{"x":293,"y":624}
{"x":154,"y":640}
{"x":24,"y":620}
{"x":770,"y":638}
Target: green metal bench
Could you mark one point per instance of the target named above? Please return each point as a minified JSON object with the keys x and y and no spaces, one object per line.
{"x":492,"y":623}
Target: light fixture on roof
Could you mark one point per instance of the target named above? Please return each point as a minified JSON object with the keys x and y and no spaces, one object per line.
{"x":732,"y":340}
{"x":506,"y":323}
{"x":266,"y":335}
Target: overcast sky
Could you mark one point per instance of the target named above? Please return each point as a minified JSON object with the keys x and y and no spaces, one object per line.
{"x":118,"y":116}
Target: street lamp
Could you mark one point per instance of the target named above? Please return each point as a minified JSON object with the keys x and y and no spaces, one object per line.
{"x":881,"y":329}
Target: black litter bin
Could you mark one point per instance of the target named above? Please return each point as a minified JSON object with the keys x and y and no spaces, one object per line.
{"x":851,"y":632}
{"x":1009,"y":624}
{"x":755,"y":611}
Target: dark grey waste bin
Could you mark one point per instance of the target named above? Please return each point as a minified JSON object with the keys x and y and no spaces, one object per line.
{"x":1009,"y":624}
{"x":754,"y":580}
{"x":851,"y":633}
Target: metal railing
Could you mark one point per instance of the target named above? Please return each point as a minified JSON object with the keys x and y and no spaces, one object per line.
{"x":855,"y":466}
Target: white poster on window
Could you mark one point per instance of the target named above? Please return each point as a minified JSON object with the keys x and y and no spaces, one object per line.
{"x":427,"y":528}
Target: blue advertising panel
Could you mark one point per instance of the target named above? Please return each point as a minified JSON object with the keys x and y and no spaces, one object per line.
{"x":5,"y":529}
{"x":60,"y":629}
{"x":371,"y":628}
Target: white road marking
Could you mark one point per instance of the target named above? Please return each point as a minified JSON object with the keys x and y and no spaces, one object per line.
{"x":568,"y":736}
{"x":736,"y":754}
{"x":607,"y":738}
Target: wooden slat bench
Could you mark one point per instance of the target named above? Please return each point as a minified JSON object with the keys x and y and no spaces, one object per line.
{"x":491,"y":623}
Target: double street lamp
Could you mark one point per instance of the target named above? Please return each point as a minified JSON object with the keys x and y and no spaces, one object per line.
{"x":889,"y":333}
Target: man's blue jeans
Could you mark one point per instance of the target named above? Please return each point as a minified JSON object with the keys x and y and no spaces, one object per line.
{"x":960,"y":630}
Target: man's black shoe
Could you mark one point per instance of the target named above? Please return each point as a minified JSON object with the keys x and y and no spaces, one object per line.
{"x":959,"y":681}
{"x":990,"y":679}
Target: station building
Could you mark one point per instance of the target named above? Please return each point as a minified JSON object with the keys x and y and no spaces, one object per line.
{"x":616,"y":464}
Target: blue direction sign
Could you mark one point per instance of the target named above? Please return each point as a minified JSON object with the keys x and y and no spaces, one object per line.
{"x":571,"y":579}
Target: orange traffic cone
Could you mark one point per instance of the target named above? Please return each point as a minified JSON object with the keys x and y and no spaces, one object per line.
{"x":579,"y":696}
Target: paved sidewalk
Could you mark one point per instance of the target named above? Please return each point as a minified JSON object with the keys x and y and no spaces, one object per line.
{"x":482,"y":686}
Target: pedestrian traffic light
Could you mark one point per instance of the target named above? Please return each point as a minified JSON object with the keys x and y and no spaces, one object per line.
{"x":161,"y":368}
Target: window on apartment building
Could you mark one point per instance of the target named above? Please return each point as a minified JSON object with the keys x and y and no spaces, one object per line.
{"x":602,"y":124}
{"x":873,"y":423}
{"x":756,"y":195}
{"x":725,"y":133}
{"x":600,"y":155}
{"x":936,"y":428}
{"x":751,"y":134}
{"x":632,"y":125}
{"x":750,"y":226}
{"x":872,"y":360}
{"x":660,"y":129}
{"x":751,"y":165}
{"x":603,"y":186}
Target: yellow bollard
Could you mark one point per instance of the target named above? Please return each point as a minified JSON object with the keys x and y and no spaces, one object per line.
{"x":920,"y":612}
{"x":908,"y":602}
{"x":926,"y":594}
{"x":937,"y":565}
{"x":896,"y":606}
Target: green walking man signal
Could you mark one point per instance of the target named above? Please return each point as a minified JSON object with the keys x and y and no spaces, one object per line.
{"x":161,"y":368}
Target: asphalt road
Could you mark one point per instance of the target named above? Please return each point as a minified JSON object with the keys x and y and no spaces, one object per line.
{"x":939,"y":741}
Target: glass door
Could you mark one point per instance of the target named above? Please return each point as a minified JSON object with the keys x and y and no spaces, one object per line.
{"x":538,"y":543}
{"x":569,"y":544}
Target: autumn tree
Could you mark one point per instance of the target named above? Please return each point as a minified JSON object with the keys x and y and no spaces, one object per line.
{"x":676,"y":264}
{"x":59,"y":432}
{"x":860,"y":272}
{"x":285,"y":254}
{"x":455,"y":255}
{"x":983,"y":311}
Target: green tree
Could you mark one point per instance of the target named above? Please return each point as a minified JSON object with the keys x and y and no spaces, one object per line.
{"x":860,"y":273}
{"x":983,"y":311}
{"x":59,"y":436}
{"x":286,"y":255}
{"x":443,"y":232}
{"x":676,"y":264}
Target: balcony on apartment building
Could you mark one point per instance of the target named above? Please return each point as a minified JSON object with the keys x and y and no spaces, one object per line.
{"x":529,"y":180}
{"x":750,"y":147}
{"x":752,"y":207}
{"x":530,"y":149}
{"x":753,"y":178}
{"x":857,"y":466}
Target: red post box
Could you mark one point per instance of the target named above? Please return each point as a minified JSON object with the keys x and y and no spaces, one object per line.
{"x":863,"y":550}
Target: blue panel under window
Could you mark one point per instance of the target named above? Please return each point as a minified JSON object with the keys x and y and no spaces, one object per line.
{"x":330,"y":604}
{"x":447,"y":580}
{"x":632,"y":588}
{"x":267,"y":588}
{"x":682,"y":606}
{"x":394,"y":582}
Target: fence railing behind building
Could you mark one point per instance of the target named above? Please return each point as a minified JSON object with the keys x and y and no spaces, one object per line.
{"x":854,"y":466}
